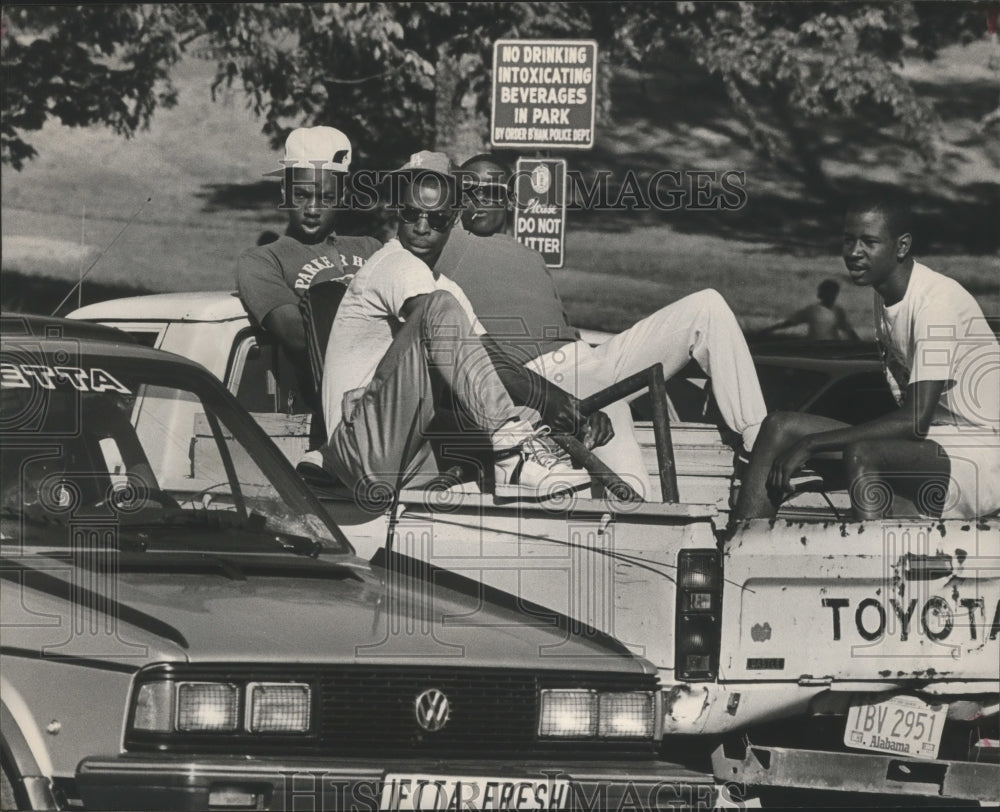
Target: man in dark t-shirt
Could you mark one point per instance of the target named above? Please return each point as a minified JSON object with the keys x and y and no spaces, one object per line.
{"x":272,"y":278}
{"x":514,"y":296}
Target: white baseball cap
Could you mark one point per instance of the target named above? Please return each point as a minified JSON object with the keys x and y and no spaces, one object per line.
{"x":307,"y":145}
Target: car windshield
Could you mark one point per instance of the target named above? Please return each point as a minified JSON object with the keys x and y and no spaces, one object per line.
{"x":147,"y":448}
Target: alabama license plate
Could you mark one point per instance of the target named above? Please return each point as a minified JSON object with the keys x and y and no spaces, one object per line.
{"x":900,"y":725}
{"x":414,"y":791}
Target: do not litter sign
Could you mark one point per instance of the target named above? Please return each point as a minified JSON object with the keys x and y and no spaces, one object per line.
{"x":544,"y":93}
{"x":540,"y":207}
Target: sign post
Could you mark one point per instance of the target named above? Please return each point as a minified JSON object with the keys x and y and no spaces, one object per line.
{"x":544,"y":94}
{"x":540,"y":207}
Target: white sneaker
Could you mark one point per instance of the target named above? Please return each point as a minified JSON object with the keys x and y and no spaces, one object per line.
{"x":539,"y":468}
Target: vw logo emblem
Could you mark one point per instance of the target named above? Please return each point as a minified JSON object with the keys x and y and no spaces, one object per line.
{"x":432,"y":710}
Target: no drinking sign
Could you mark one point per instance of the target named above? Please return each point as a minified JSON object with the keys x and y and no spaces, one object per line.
{"x":543,"y":93}
{"x":540,"y":207}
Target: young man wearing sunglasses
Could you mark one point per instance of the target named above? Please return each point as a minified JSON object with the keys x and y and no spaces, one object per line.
{"x":406,"y":346}
{"x":272,"y":278}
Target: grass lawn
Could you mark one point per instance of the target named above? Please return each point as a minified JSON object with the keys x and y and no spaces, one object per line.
{"x":202,"y":163}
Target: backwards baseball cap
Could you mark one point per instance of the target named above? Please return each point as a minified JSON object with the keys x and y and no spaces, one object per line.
{"x":307,"y":145}
{"x":428,"y":161}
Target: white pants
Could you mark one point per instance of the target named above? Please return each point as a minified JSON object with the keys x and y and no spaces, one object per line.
{"x":699,"y":326}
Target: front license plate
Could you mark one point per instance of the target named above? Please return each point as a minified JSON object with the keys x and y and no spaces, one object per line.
{"x":900,"y":725}
{"x":413,"y":791}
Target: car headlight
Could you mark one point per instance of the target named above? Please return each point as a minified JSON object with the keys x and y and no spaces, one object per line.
{"x":580,"y":714}
{"x":167,"y":706}
{"x":571,"y":713}
{"x":627,"y":715}
{"x":278,"y":707}
{"x":207,"y":706}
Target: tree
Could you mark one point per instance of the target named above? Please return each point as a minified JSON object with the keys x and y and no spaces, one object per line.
{"x":391,"y":75}
{"x":86,"y":65}
{"x":395,"y":75}
{"x":400,"y":74}
{"x":788,"y":68}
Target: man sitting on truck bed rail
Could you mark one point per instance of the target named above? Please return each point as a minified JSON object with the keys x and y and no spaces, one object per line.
{"x":941,"y":447}
{"x":515,"y":297}
{"x":272,"y":278}
{"x":406,"y":344}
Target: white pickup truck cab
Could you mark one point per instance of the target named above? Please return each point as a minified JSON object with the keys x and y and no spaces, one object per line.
{"x":816,"y":651}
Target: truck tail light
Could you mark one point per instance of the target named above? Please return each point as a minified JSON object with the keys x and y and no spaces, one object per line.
{"x":699,"y":614}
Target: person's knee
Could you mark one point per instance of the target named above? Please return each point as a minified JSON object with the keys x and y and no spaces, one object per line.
{"x":440,"y":301}
{"x":439,"y":311}
{"x":778,"y":431}
{"x":781,"y":428}
{"x":710,"y":299}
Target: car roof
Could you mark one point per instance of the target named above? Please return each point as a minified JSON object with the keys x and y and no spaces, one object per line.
{"x":50,"y":334}
{"x":13,"y":325}
{"x":203,"y":305}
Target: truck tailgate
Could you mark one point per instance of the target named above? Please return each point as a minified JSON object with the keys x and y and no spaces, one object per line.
{"x":855,"y":603}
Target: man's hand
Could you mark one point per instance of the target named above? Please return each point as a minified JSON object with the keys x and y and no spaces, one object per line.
{"x":787,"y":464}
{"x":564,"y":417}
{"x":562,"y":412}
{"x":597,"y":431}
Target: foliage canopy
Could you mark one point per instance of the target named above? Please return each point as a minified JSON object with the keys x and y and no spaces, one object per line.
{"x":387,"y":73}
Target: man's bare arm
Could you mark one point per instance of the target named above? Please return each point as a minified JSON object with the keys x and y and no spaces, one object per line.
{"x":798,"y":317}
{"x":559,"y":409}
{"x":285,"y":324}
{"x":909,"y":422}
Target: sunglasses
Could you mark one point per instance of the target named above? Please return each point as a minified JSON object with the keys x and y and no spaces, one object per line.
{"x":438,"y":220}
{"x":495,"y":193}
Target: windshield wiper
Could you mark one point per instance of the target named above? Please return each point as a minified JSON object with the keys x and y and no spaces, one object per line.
{"x":262,"y":539}
{"x":237,"y":535}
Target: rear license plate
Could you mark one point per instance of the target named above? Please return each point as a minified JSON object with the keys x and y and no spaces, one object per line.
{"x":413,"y":791}
{"x":900,"y":725}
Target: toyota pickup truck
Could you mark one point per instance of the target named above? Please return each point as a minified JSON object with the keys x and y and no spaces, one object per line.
{"x":816,"y":651}
{"x":202,"y":636}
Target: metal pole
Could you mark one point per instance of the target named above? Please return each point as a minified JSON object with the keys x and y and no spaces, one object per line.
{"x":598,"y":470}
{"x":661,"y":435}
{"x":652,"y":378}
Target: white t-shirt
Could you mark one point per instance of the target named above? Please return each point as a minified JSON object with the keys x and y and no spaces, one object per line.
{"x":369,"y":317}
{"x":937,"y":331}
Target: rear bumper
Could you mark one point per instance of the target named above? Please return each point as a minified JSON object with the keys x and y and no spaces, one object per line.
{"x":858,"y":772}
{"x":178,"y":783}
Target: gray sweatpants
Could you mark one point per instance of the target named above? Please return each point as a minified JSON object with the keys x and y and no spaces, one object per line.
{"x":434,"y":362}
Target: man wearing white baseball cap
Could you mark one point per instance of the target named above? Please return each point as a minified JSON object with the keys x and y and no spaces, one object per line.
{"x":271,"y":279}
{"x":406,"y":347}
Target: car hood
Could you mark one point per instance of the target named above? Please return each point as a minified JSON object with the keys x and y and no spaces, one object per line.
{"x":335,"y":609}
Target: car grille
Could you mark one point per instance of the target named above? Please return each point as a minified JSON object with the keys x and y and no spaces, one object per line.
{"x":369,"y":712}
